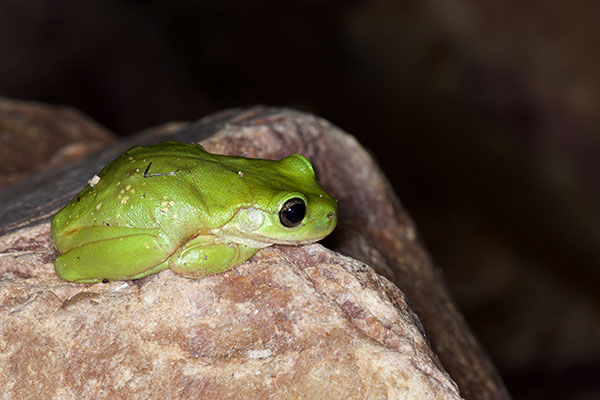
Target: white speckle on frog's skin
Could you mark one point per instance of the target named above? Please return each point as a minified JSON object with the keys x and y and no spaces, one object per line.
{"x":165,"y":206}
{"x":99,"y":206}
{"x":94,"y":181}
{"x":241,"y":174}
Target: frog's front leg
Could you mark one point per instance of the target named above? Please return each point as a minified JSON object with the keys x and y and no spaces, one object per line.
{"x":207,"y":255}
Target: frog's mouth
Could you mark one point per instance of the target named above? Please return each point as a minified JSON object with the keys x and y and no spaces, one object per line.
{"x":319,"y":227}
{"x":260,"y":242}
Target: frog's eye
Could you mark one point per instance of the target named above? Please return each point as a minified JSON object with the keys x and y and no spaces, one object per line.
{"x":292,"y":212}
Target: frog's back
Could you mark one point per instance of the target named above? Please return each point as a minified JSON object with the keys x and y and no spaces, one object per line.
{"x":145,"y":187}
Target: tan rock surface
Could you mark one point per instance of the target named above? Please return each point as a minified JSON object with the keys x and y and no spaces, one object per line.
{"x":291,"y":323}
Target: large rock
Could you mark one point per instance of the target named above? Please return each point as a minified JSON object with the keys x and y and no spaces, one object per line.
{"x":35,"y":135}
{"x":292,"y":322}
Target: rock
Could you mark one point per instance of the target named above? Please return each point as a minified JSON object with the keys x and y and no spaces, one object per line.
{"x":292,"y":322}
{"x":34,"y":135}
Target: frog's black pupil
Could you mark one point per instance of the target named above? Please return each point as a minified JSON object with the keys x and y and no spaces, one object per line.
{"x":292,"y":212}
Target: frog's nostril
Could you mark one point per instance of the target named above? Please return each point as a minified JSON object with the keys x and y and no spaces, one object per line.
{"x":330,"y":215}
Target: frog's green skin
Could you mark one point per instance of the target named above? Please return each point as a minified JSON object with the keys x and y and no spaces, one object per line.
{"x":174,"y":205}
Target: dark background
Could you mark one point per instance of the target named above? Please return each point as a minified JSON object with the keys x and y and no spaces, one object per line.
{"x":483,"y":114}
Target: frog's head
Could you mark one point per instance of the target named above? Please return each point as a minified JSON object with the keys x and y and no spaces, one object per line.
{"x":291,"y":208}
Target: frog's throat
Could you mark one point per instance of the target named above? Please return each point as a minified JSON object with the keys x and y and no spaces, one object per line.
{"x":259,"y":242}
